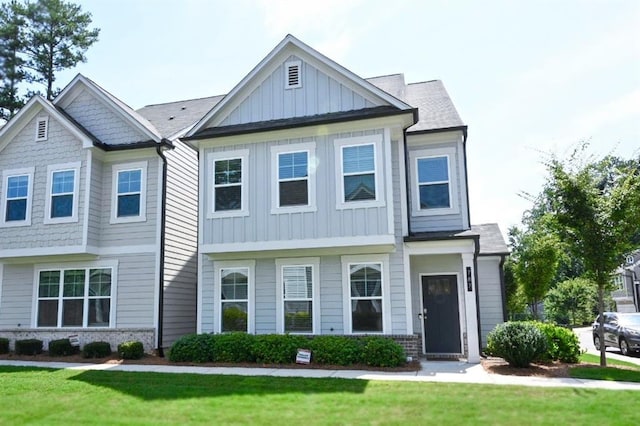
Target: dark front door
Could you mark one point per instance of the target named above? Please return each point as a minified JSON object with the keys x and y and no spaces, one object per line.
{"x":441,"y":314}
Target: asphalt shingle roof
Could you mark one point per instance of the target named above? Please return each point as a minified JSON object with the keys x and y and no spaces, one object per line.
{"x":491,"y":239}
{"x":172,"y":117}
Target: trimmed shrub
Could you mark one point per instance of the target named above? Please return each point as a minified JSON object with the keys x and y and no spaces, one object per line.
{"x":4,"y":345}
{"x":234,"y":318}
{"x":62,"y":347}
{"x":131,"y":350}
{"x":278,"y":348}
{"x":562,"y":343}
{"x":96,"y":350}
{"x":193,"y":348}
{"x":519,"y":343}
{"x":382,"y":352}
{"x":335,"y":350}
{"x":233,"y":347}
{"x":28,"y":347}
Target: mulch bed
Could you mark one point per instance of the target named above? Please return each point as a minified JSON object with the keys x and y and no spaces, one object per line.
{"x":540,"y":369}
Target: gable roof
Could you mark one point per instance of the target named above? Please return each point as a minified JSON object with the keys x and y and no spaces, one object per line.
{"x":120,"y":108}
{"x":290,"y":45}
{"x":36,"y":104}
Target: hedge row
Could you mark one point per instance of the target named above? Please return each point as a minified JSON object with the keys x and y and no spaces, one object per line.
{"x":63,"y":347}
{"x":523,"y":342}
{"x":283,"y":348}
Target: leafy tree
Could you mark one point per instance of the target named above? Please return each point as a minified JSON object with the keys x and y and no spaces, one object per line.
{"x":11,"y":62}
{"x":571,"y":302}
{"x":596,"y":209}
{"x":57,"y":38}
{"x":516,"y":303}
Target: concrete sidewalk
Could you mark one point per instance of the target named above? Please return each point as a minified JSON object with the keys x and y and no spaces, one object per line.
{"x":432,"y":371}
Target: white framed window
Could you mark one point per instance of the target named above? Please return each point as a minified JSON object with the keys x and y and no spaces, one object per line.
{"x":359,"y":172}
{"x":80,"y":297}
{"x":434,"y":182}
{"x":293,"y":178}
{"x":366,"y":294}
{"x":229,"y":177}
{"x":293,"y":74}
{"x":298,"y":289}
{"x":61,"y":204}
{"x":42,"y":128}
{"x":129,"y":197}
{"x":17,"y":193}
{"x":234,"y":292}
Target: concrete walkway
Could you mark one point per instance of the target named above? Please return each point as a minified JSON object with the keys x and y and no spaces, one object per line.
{"x":432,"y":371}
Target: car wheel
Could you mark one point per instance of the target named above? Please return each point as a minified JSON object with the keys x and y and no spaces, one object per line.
{"x":624,"y":347}
{"x":596,"y":342}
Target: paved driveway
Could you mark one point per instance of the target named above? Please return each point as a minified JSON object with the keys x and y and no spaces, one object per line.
{"x":586,"y":342}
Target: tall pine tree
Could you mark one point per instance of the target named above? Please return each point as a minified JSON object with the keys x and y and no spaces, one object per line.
{"x":12,"y":24}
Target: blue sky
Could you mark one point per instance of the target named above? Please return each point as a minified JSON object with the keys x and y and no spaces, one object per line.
{"x":527,"y":77}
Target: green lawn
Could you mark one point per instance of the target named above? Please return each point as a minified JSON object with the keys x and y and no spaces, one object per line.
{"x":629,"y":373}
{"x":46,"y":396}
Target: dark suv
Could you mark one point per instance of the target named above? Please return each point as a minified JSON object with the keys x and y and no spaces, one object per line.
{"x":620,"y":330}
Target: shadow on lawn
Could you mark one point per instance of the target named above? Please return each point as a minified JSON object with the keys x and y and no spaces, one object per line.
{"x":153,"y":386}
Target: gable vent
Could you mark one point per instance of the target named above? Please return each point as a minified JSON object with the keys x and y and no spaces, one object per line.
{"x":293,"y":75}
{"x":42,"y":129}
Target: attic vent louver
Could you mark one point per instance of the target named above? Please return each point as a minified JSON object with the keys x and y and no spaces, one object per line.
{"x":293,"y":76}
{"x":42,"y":129}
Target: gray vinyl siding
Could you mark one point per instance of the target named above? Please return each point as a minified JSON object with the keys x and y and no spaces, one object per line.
{"x":102,"y":121}
{"x":319,"y":94}
{"x":97,"y":205}
{"x":16,"y":300}
{"x":181,"y":237}
{"x":265,"y":296}
{"x":326,"y":222}
{"x":397,"y":267}
{"x":443,"y":222}
{"x":23,"y":151}
{"x":135,"y":233}
{"x":136,"y":288}
{"x":207,"y":280}
{"x":331,"y":295}
{"x":490,"y":295}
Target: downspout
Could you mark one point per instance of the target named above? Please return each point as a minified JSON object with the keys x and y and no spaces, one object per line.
{"x":163,"y":221}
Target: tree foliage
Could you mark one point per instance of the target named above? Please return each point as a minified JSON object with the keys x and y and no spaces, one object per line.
{"x":596,"y":211}
{"x":571,"y":302}
{"x":37,"y":39}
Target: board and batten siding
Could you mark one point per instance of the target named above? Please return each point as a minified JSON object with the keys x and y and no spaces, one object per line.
{"x":489,"y":295}
{"x":16,"y":300}
{"x":102,"y":121}
{"x":319,"y":94}
{"x":61,"y":147}
{"x":441,"y":222}
{"x":261,"y":225}
{"x":181,"y":243}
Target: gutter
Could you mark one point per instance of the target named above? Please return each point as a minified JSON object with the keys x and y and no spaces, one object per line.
{"x":163,"y":221}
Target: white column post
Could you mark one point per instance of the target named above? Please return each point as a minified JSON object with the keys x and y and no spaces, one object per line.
{"x":471,"y":311}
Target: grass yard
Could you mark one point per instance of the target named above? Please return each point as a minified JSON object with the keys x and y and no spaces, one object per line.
{"x":616,"y":370}
{"x":47,"y":396}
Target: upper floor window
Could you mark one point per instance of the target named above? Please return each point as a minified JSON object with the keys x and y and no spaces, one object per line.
{"x":433,"y":183}
{"x":360,"y":166}
{"x":16,"y":197}
{"x":129,"y":197}
{"x":42,"y":129}
{"x":62,"y":196}
{"x":79,"y":297}
{"x":294,"y":180}
{"x":229,"y":193}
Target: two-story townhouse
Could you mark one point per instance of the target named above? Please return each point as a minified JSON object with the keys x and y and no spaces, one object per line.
{"x":98,"y":223}
{"x":626,"y":281}
{"x":331,"y":204}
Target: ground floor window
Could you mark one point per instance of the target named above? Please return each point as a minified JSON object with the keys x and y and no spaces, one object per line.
{"x":365,"y":284}
{"x":234,"y":296}
{"x":297,"y":286}
{"x":78,"y":297}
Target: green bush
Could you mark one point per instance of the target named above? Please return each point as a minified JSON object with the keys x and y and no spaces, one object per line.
{"x":62,"y":347}
{"x":96,"y":350}
{"x":519,"y":343}
{"x":193,"y":348}
{"x":131,"y":350}
{"x":28,"y":347}
{"x":4,"y":345}
{"x":234,"y":319}
{"x":562,"y":343}
{"x":278,"y":348}
{"x":233,"y":347}
{"x":335,"y":350}
{"x":382,"y":352}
